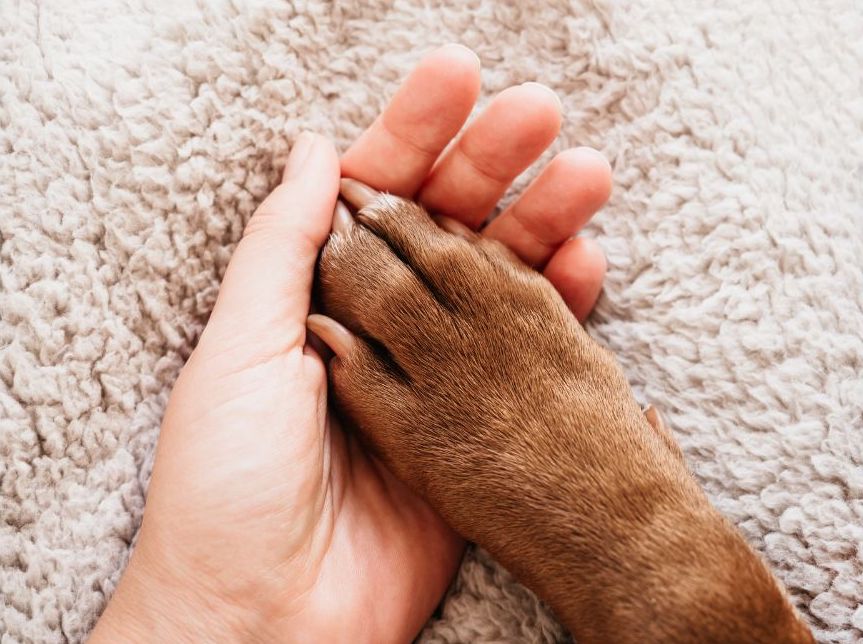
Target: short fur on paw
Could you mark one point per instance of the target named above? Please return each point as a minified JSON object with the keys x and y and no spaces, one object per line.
{"x":463,"y":369}
{"x":468,"y":372}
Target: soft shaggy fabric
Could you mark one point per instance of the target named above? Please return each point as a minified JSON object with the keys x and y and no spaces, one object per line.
{"x":136,"y":138}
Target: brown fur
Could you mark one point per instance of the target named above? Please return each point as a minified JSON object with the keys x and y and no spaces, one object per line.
{"x":480,"y":390}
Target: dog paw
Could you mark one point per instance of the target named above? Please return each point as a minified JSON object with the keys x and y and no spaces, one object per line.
{"x":464,"y":371}
{"x":459,"y":365}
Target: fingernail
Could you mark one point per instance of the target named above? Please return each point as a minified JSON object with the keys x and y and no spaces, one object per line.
{"x":462,"y":49}
{"x":547,"y":89}
{"x":299,"y":155}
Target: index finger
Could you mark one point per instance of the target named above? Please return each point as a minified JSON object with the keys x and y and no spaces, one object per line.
{"x":397,"y":151}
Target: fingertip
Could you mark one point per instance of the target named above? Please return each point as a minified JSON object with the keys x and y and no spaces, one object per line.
{"x":430,"y":107}
{"x":577,"y":271}
{"x":324,"y":164}
{"x":509,"y":135}
{"x":591,"y":258}
{"x":310,"y":148}
{"x":592,"y":250}
{"x":593,"y":171}
{"x":301,"y":206}
{"x":536,"y":104}
{"x":266,"y":289}
{"x":545,"y":89}
{"x":555,"y":206}
{"x":454,"y":67}
{"x":459,"y":54}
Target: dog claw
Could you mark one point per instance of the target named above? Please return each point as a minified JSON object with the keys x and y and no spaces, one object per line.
{"x":653,"y":417}
{"x":343,"y":221}
{"x":358,"y":194}
{"x":453,"y":226}
{"x":334,"y":335}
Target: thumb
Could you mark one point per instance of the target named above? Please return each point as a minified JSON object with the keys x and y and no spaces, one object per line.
{"x":265,"y":294}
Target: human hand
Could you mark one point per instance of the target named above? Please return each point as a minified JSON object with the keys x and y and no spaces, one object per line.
{"x":264,"y":520}
{"x":400,"y":154}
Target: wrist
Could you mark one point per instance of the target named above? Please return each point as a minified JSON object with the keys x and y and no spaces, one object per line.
{"x":150,"y":606}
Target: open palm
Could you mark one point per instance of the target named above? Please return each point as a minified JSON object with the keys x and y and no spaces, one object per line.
{"x":265,"y":518}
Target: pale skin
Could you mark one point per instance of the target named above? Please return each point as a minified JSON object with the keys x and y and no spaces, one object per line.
{"x":264,"y":520}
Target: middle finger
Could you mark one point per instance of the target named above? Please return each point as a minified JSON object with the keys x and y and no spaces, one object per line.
{"x":512,"y":132}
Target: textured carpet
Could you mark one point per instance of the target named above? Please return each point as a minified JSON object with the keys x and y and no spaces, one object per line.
{"x":136,"y":138}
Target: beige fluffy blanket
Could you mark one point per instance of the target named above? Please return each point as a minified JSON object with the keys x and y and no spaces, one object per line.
{"x":136,"y":137}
